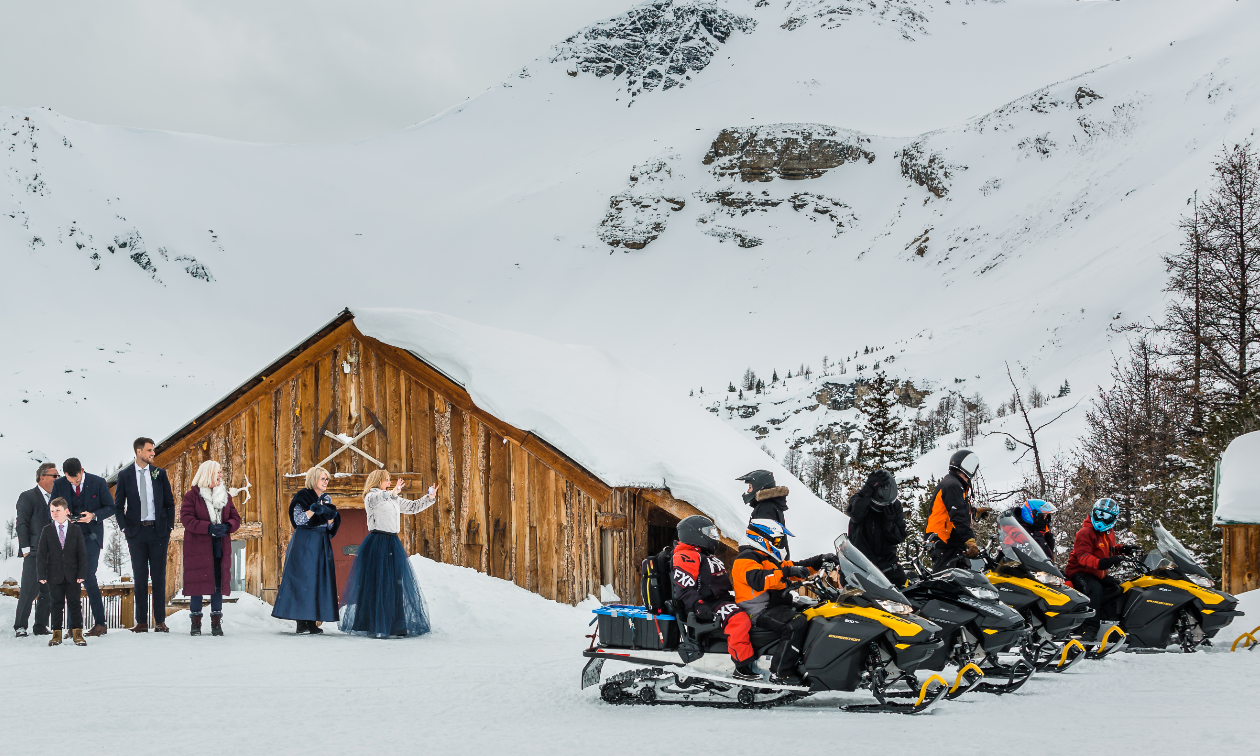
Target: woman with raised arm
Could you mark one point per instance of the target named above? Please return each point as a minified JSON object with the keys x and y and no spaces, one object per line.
{"x":308,"y":588}
{"x":209,"y":520}
{"x":383,"y":599}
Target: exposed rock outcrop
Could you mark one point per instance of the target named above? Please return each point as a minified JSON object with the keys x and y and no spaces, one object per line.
{"x":928,"y":169}
{"x":787,"y":151}
{"x":637,"y":216}
{"x":658,"y":45}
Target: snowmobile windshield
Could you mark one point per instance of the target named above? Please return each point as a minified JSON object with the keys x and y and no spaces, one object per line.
{"x":860,"y":573}
{"x":1170,"y":548}
{"x":1018,"y":546}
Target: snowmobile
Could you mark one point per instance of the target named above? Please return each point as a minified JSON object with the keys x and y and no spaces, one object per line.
{"x":976,"y":624}
{"x":861,"y":634}
{"x":1173,"y":601}
{"x":1032,"y":585}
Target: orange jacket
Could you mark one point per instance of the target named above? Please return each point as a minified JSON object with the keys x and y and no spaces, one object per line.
{"x":951,"y":514}
{"x":759,"y":581}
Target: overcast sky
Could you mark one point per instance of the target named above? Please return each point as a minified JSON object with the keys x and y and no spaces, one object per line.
{"x":272,"y":70}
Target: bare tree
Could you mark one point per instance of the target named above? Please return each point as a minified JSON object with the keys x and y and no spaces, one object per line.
{"x":1030,"y":445}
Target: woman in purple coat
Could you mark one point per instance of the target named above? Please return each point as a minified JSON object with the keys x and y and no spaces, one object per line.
{"x":209,"y":520}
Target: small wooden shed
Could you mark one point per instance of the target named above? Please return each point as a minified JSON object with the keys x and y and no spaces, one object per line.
{"x":511,"y":504}
{"x":1236,"y":508}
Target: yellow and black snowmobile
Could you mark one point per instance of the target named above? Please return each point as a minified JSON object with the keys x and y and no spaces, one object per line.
{"x":861,"y":635}
{"x":1031,"y":584}
{"x":1174,"y":601}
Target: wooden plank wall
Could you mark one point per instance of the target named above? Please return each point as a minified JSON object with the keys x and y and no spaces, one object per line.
{"x":1240,"y":557}
{"x":501,"y":510}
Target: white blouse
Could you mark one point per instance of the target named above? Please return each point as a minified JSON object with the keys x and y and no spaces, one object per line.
{"x":385,"y":507}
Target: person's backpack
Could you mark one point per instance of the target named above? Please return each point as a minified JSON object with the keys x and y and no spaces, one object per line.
{"x":656,"y":586}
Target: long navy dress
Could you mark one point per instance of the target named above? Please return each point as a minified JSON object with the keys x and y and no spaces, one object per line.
{"x":383,"y":598}
{"x":308,"y":588}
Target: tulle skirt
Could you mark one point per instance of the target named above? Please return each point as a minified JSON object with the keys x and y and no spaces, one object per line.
{"x":382,"y":598}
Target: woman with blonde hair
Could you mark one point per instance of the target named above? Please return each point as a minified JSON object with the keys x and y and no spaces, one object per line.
{"x":383,"y":599}
{"x":308,"y":587}
{"x":209,"y":520}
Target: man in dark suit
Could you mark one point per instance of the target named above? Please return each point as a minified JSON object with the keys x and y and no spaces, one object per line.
{"x":146,"y":514}
{"x":32,"y":516}
{"x":90,"y":505}
{"x":62,"y":565}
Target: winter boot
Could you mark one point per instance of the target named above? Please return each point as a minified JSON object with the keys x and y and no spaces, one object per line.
{"x":216,"y":623}
{"x":56,"y":639}
{"x":313,"y":628}
{"x":77,"y":634}
{"x":785,"y":680}
{"x":302,"y":627}
{"x":196,"y":625}
{"x":746,"y":671}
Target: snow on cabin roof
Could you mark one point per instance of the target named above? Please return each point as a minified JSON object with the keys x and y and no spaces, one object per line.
{"x":622,"y":425}
{"x":1238,"y":489}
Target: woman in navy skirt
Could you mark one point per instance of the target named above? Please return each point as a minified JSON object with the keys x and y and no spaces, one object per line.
{"x":382,"y":598}
{"x":308,"y":588}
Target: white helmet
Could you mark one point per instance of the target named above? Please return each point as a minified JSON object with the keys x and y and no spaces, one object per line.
{"x":966,"y":462}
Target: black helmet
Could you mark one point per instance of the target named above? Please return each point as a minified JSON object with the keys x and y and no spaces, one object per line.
{"x":759,"y":480}
{"x":699,"y":531}
{"x":966,"y":462}
{"x":883,"y":487}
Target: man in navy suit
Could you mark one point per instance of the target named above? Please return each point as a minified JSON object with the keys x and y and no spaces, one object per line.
{"x":90,"y":505}
{"x":146,"y":514}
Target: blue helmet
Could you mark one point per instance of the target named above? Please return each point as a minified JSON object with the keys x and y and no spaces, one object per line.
{"x":1103,"y":515}
{"x":1033,"y":507}
{"x":768,"y":536}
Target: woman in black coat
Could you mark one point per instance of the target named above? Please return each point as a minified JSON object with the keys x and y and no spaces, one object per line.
{"x":877,"y":524}
{"x":308,"y":588}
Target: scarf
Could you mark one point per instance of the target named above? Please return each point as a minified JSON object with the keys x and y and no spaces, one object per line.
{"x":216,"y":500}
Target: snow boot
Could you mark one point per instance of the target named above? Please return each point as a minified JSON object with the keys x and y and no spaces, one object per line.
{"x":313,"y":628}
{"x":56,"y":639}
{"x":785,"y":680}
{"x":216,"y":623}
{"x":77,"y":634}
{"x":746,"y":671}
{"x":196,"y":625}
{"x":302,"y":627}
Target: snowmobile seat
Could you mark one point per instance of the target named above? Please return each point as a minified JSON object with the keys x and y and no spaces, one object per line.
{"x":762,"y":639}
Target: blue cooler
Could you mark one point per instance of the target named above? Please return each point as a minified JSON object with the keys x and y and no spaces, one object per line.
{"x":629,"y":626}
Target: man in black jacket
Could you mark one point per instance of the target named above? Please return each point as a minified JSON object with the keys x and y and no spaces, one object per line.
{"x":146,"y":514}
{"x":32,"y":516}
{"x":90,"y":505}
{"x":62,"y":565}
{"x":877,"y":524}
{"x":952,"y":513}
{"x":767,"y":500}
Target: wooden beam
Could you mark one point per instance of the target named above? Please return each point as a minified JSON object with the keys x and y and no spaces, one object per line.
{"x":249,"y":531}
{"x":661,"y":497}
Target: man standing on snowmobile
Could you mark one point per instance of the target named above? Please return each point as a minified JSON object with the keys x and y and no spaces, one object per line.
{"x":1035,"y":515}
{"x":953,"y":514}
{"x":1093,"y":553}
{"x":767,"y":500}
{"x":703,"y":585}
{"x":764,"y":580}
{"x":877,"y":524}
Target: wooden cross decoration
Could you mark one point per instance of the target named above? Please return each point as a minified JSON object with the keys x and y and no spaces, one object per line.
{"x":350,"y":444}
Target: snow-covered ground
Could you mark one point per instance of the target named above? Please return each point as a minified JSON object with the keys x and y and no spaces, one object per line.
{"x":500,"y":674}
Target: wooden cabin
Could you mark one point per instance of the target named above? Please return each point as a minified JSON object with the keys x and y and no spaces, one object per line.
{"x":510,"y":504}
{"x":1236,"y":510}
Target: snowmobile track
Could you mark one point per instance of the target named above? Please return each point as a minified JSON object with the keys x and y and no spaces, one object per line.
{"x":613,"y":691}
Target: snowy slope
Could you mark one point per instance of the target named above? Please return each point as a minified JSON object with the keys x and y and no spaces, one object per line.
{"x":1036,"y":154}
{"x":500,"y":674}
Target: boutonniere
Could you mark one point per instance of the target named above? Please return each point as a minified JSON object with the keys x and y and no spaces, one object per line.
{"x":154,"y":472}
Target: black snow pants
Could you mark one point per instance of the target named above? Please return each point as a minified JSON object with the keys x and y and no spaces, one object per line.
{"x":791,"y":626}
{"x":947,"y":556}
{"x":1104,"y":597}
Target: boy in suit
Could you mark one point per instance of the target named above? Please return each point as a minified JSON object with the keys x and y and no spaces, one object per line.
{"x":62,"y":565}
{"x":90,"y":505}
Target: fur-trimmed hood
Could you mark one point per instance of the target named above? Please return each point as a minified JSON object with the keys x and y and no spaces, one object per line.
{"x":772,"y":493}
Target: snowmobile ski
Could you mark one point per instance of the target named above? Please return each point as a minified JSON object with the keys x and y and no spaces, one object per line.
{"x":1107,"y":645}
{"x":925,"y":703}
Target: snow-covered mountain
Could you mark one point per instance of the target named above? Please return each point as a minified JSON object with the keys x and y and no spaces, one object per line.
{"x":697,"y":186}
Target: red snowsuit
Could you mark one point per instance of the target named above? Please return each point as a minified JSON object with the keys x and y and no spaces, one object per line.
{"x":1089,"y":547}
{"x":702,"y":580}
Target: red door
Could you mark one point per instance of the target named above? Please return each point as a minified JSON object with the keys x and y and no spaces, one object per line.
{"x":351,"y":533}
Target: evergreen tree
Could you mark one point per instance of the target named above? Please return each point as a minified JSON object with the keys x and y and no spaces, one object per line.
{"x":884,"y":434}
{"x":774,"y":377}
{"x":730,"y":389}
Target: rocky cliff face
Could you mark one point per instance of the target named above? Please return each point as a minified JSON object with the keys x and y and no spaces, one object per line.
{"x":637,"y":216}
{"x":788,"y":151}
{"x":658,"y":45}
